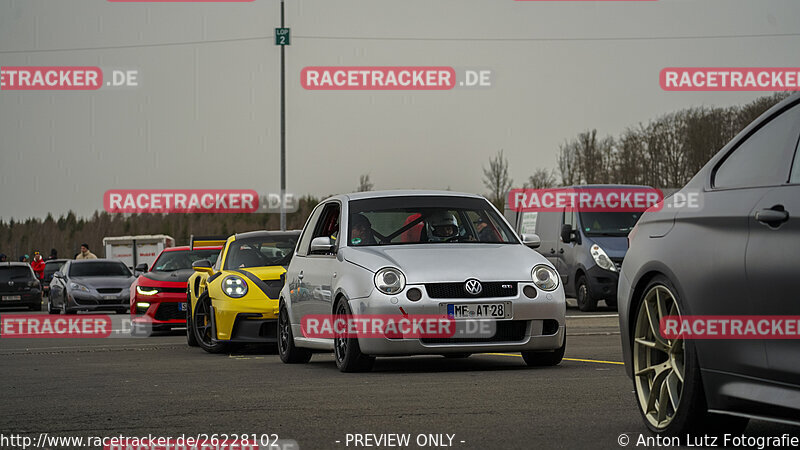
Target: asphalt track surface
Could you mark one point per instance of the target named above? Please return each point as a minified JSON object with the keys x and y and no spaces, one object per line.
{"x":161,"y":387}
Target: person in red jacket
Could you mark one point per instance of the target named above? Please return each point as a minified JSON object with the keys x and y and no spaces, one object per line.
{"x":38,"y":265}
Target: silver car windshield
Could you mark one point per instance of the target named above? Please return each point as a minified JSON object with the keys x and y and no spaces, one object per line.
{"x":425,"y":220}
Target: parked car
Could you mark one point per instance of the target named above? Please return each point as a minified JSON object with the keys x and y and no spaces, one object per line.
{"x":235,"y":299}
{"x":90,"y":285}
{"x":420,"y":253}
{"x":736,"y":254}
{"x":158,"y":297}
{"x":50,"y":267}
{"x":587,"y":248}
{"x":19,"y":286}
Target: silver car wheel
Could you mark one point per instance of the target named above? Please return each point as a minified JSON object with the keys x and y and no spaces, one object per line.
{"x":658,"y":363}
{"x":340,"y":341}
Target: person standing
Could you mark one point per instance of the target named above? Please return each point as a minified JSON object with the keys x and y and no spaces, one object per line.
{"x":53,"y":254}
{"x":85,"y":253}
{"x":38,"y":265}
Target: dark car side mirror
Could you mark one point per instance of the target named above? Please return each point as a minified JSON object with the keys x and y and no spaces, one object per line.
{"x":567,"y":235}
{"x":140,"y":267}
{"x":203,"y":265}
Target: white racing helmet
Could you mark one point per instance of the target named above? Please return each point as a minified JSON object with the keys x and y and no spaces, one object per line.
{"x":441,"y":226}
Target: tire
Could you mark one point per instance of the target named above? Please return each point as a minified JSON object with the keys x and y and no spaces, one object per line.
{"x":289,"y":353}
{"x":64,"y":309}
{"x":670,"y":367}
{"x":457,"y":355}
{"x":201,"y":326}
{"x":545,"y":359}
{"x":50,"y":308}
{"x":586,"y":302}
{"x":346,"y":351}
{"x":191,"y":339}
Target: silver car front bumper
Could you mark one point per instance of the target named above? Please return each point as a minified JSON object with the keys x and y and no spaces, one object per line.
{"x":541,"y":321}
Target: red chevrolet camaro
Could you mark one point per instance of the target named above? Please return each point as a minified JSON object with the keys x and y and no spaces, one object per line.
{"x":158,"y":296}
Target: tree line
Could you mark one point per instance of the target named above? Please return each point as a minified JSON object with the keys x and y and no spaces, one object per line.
{"x":68,"y":232}
{"x":663,"y":153}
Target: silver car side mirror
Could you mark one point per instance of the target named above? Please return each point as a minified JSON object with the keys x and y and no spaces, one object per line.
{"x":531,"y":240}
{"x":322,"y":244}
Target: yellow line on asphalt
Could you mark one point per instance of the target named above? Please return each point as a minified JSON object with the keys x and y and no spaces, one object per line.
{"x":565,"y":359}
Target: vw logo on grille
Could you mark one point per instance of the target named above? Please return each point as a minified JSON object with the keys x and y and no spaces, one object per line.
{"x":473,"y":287}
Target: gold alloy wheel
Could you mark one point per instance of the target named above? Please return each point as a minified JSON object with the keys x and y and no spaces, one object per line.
{"x":658,"y":363}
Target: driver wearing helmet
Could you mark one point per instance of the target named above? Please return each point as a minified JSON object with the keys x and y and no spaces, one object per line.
{"x":441,"y":226}
{"x":361,"y":230}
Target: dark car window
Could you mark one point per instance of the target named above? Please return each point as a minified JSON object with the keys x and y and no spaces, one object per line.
{"x":260,"y":251}
{"x":99,"y":269}
{"x":763,"y":159}
{"x":52,"y":267}
{"x":14,"y":273}
{"x":183,"y":259}
{"x":608,"y":223}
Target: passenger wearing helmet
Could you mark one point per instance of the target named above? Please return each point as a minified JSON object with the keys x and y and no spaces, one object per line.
{"x":361,"y":230}
{"x":441,"y":226}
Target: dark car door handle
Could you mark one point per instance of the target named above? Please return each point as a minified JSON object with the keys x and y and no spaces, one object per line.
{"x":772,"y":217}
{"x":300,"y":275}
{"x":552,"y":251}
{"x":561,"y":250}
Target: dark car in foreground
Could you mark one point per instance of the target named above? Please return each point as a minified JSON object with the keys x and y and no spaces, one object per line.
{"x":90,"y":285}
{"x":735,"y":253}
{"x":19,"y":286}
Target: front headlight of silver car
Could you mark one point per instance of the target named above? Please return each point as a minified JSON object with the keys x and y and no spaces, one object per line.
{"x":544,"y":277}
{"x":78,"y":287}
{"x":602,"y":259}
{"x":234,"y":287}
{"x":390,"y":280}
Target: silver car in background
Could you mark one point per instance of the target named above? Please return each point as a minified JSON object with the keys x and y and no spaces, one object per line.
{"x":90,"y":285}
{"x":420,"y":253}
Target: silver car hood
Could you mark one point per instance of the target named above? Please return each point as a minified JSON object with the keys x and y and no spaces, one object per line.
{"x":429,"y":263}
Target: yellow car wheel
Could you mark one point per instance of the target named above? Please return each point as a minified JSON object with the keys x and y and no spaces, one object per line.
{"x":201,"y":326}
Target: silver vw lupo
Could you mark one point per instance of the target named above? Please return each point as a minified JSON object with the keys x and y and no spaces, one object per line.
{"x":410,"y":253}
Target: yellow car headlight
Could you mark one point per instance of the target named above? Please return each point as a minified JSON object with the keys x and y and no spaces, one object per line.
{"x":234,"y":287}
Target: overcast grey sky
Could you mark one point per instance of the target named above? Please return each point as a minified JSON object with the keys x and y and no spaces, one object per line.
{"x":206,"y":115}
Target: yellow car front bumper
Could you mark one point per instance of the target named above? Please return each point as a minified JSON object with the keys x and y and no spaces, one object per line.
{"x":245,"y":320}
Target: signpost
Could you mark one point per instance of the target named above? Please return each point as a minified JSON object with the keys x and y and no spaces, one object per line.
{"x":282,"y":38}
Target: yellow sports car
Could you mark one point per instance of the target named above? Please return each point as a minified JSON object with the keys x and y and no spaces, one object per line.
{"x":236,"y":299}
